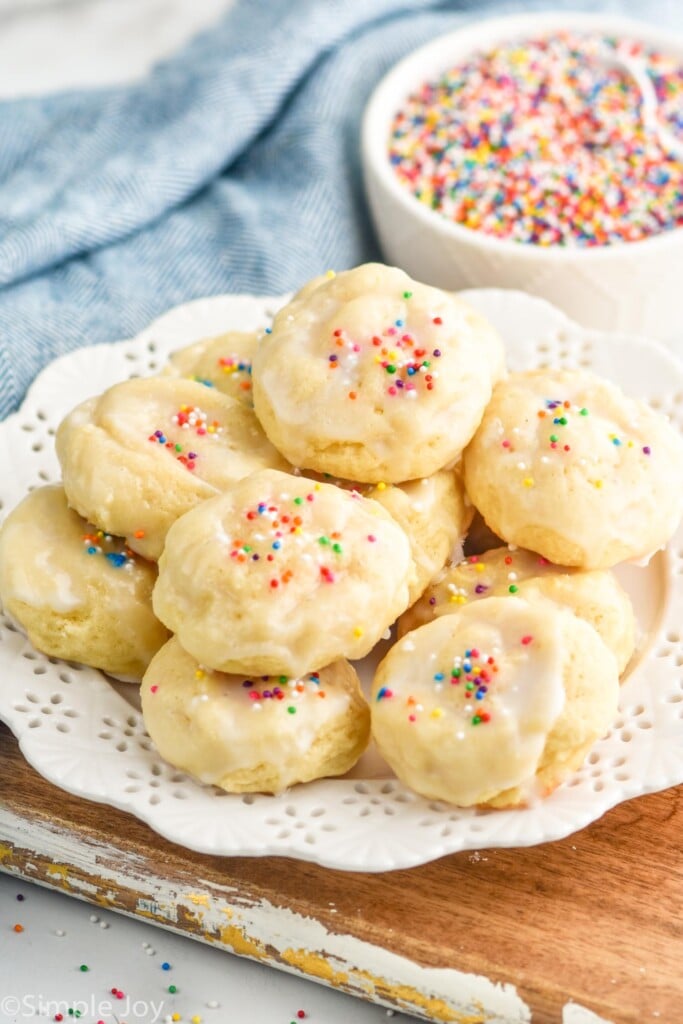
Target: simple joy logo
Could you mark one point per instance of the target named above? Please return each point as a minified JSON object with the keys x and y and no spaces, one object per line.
{"x":34,"y":1005}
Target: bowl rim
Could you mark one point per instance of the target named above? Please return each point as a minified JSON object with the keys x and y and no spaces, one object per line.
{"x":418,"y":66}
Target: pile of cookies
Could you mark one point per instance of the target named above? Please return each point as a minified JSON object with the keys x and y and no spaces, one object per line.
{"x":239,"y":529}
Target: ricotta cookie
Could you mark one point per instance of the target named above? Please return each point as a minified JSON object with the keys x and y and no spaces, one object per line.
{"x":434,"y":512}
{"x":565,"y":464}
{"x":222,"y":362}
{"x":594,"y":596}
{"x":310,"y":286}
{"x":373,"y":377}
{"x":80,"y":594}
{"x":495,"y":706}
{"x":147,"y":450}
{"x":282,"y":575}
{"x":489,"y":340}
{"x":253,"y":735}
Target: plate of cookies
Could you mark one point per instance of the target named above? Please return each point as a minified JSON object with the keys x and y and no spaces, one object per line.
{"x":363,"y":576}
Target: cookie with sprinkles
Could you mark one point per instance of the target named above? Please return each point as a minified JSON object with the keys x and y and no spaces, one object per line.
{"x":222,"y":362}
{"x":566,"y":465}
{"x":310,"y":286}
{"x":595,"y":596}
{"x":281,"y":574}
{"x":254,"y":734}
{"x":371,"y":376}
{"x":496,"y":705}
{"x":434,"y":512}
{"x":137,"y":457}
{"x":80,"y":594}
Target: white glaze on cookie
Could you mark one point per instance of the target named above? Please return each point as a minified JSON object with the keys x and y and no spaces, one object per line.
{"x":565,"y":464}
{"x":321,"y":571}
{"x":595,"y":596}
{"x":433,"y":511}
{"x":143,"y":453}
{"x":222,"y":362}
{"x":80,"y":594}
{"x":249,"y":734}
{"x":371,"y":376}
{"x":466,"y":726}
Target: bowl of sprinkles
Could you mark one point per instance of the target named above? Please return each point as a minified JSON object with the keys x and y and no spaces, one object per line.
{"x":538,"y":152}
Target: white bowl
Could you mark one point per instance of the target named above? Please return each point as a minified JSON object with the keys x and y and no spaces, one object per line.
{"x":628,"y":286}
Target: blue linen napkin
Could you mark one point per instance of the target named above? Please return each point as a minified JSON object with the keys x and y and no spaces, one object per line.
{"x":232,"y":167}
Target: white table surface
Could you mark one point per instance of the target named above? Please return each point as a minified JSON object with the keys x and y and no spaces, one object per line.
{"x":48,"y":45}
{"x":40,"y":972}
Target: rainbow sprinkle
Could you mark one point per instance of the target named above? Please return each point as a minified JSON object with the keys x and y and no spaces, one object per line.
{"x":288,"y":691}
{"x":407,"y":366}
{"x":470,"y":584}
{"x":474,"y":674}
{"x":186,"y":458}
{"x":95,"y":543}
{"x":188,"y":418}
{"x":191,"y":417}
{"x":557,"y":411}
{"x":542,"y":142}
{"x":234,"y":366}
{"x":271,"y":528}
{"x":557,"y":414}
{"x":474,"y":671}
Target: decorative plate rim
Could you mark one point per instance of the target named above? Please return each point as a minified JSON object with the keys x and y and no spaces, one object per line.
{"x":359,"y":824}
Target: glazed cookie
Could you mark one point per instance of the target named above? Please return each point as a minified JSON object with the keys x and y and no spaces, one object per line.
{"x":282,"y":575}
{"x":80,"y":594}
{"x":489,"y":339}
{"x":253,"y":735}
{"x":146,"y":451}
{"x":565,"y":464}
{"x":310,"y":286}
{"x":594,"y":596}
{"x":222,"y":362}
{"x":434,"y":512}
{"x":496,"y":705}
{"x":373,"y":377}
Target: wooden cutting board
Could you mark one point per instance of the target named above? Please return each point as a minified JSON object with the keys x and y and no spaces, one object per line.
{"x":474,"y":938}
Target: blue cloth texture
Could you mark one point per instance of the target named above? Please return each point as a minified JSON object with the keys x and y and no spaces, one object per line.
{"x":232,"y":167}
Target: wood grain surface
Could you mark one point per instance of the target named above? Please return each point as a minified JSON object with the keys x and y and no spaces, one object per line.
{"x":594,"y":919}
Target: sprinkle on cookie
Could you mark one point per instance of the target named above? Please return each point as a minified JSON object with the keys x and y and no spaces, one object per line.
{"x":188,"y":418}
{"x":234,"y":365}
{"x":96,"y":543}
{"x":288,"y":691}
{"x":408,"y":366}
{"x":561,"y":417}
{"x":473,"y":672}
{"x":273,"y":527}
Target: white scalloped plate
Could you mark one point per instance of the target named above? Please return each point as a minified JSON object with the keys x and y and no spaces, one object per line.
{"x":84,"y":733}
